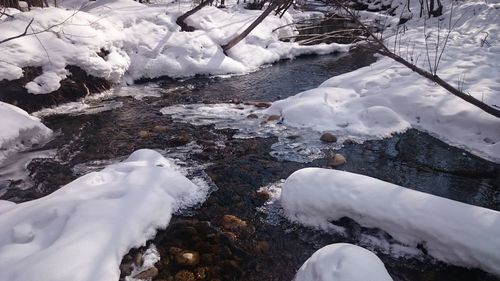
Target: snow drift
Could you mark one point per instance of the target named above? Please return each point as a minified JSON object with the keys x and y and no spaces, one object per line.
{"x":81,"y":231}
{"x":450,"y":231}
{"x":343,"y":262}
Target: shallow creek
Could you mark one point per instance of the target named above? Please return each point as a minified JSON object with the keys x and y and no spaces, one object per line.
{"x":235,"y":233}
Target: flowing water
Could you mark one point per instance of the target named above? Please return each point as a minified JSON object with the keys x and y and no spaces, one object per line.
{"x":237,"y":162}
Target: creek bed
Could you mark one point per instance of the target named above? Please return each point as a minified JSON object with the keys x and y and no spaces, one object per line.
{"x":257,"y":244}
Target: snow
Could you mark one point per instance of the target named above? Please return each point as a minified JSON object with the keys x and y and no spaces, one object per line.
{"x":19,"y":130}
{"x":386,"y":98}
{"x":82,"y":231}
{"x":450,"y":231}
{"x":142,"y":41}
{"x":343,"y":262}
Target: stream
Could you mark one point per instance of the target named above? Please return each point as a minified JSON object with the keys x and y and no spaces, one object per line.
{"x":237,"y":232}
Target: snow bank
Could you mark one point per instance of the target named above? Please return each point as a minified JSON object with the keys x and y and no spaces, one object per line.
{"x":18,"y":129}
{"x":387,"y":98}
{"x":450,"y":231}
{"x":141,"y":42}
{"x":81,"y":231}
{"x":343,"y":262}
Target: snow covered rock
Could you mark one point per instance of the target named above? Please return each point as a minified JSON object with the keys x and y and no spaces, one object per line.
{"x":450,"y":231}
{"x":343,"y":262}
{"x":81,"y":231}
{"x":18,"y":129}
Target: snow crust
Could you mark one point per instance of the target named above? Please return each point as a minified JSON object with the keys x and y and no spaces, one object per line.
{"x":141,"y":42}
{"x":81,"y":231}
{"x":18,"y":129}
{"x":343,"y":262}
{"x":386,"y":98}
{"x":450,"y":231}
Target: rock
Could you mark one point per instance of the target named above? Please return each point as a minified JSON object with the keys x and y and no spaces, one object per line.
{"x":262,"y":247}
{"x":327,"y":137}
{"x":348,"y":141}
{"x":187,"y":258}
{"x":143,"y":134}
{"x":263,"y":104}
{"x":252,"y":116}
{"x":185,"y":275}
{"x":174,"y":250}
{"x":160,"y":128}
{"x":207,"y":258}
{"x":147,"y":274}
{"x":273,"y":118}
{"x":230,"y":235}
{"x":336,"y":160}
{"x":181,"y":139}
{"x":201,"y":272}
{"x":138,"y":260}
{"x":230,"y":222}
{"x":263,"y":195}
{"x":126,"y":269}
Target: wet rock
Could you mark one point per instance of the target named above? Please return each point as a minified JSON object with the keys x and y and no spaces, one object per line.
{"x":138,"y":260}
{"x":230,"y":235}
{"x":273,"y":118}
{"x":252,"y":116}
{"x":126,"y":269}
{"x":185,"y":275}
{"x":262,"y":247}
{"x":263,"y":195}
{"x":263,"y":104}
{"x":160,"y":128}
{"x":144,"y":134}
{"x":182,"y":138}
{"x":348,"y":142}
{"x":187,"y":258}
{"x":201,"y":272}
{"x":328,"y":137}
{"x":230,"y":222}
{"x":336,"y":160}
{"x":147,"y":274}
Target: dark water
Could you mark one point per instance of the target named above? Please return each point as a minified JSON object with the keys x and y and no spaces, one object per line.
{"x":256,"y":249}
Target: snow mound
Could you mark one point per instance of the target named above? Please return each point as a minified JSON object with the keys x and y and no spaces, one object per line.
{"x":81,"y":231}
{"x":450,"y":231}
{"x":343,"y":262}
{"x":18,"y":129}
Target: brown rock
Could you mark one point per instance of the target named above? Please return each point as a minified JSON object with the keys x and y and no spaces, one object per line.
{"x":348,"y":141}
{"x":230,"y":235}
{"x":144,"y":134}
{"x":181,"y":139}
{"x":126,"y":269}
{"x":230,"y":222}
{"x":184,"y":275}
{"x":160,"y":128}
{"x":138,"y":260}
{"x":273,"y":118}
{"x":262,"y":247}
{"x":263,"y":104}
{"x":327,"y":137}
{"x":263,"y":195}
{"x":336,"y":160}
{"x":187,"y":258}
{"x":252,"y":116}
{"x":147,"y":274}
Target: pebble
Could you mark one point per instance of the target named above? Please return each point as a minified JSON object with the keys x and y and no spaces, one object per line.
{"x":187,"y":258}
{"x":336,"y":160}
{"x":273,"y":118}
{"x":252,"y":116}
{"x":184,"y":275}
{"x":143,"y":134}
{"x":328,"y":137}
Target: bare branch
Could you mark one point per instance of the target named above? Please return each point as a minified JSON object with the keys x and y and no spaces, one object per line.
{"x":20,"y":35}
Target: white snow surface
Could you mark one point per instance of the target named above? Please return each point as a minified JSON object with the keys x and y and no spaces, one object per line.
{"x":18,"y":129}
{"x":142,"y":41}
{"x":386,"y":98}
{"x":81,"y":231}
{"x":343,"y":262}
{"x":450,"y":231}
